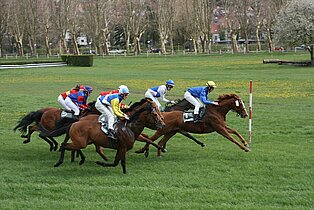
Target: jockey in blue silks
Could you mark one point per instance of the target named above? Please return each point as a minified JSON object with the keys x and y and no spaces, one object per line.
{"x":198,"y":96}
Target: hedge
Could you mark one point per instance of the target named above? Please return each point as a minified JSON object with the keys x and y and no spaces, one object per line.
{"x":78,"y":60}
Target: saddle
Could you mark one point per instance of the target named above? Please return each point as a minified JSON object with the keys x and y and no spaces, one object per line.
{"x":104,"y":124}
{"x":188,"y":116}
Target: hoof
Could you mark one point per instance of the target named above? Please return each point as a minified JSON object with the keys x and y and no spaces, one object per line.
{"x":139,"y":151}
{"x":57,"y":164}
{"x":24,"y":136}
{"x":247,"y":150}
{"x":26,"y":141}
{"x":203,"y":145}
{"x":100,"y":163}
{"x":146,"y":154}
{"x":51,"y":148}
{"x":82,"y":161}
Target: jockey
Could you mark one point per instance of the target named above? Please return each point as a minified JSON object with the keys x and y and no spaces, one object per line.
{"x":103,"y":93}
{"x":109,"y":106}
{"x":77,"y":100}
{"x":160,"y":91}
{"x":62,"y":97}
{"x":198,"y":96}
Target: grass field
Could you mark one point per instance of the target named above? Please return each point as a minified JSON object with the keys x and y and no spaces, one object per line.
{"x":277,"y":174}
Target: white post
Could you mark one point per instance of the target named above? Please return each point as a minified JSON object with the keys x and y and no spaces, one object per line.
{"x":250,"y":112}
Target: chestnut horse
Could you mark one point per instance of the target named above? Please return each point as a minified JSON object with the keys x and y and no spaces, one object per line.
{"x":84,"y":132}
{"x":214,"y":120}
{"x":50,"y":119}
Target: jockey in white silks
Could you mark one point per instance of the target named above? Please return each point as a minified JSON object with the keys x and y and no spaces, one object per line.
{"x":159,"y":92}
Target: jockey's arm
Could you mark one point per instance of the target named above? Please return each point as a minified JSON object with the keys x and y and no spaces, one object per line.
{"x":81,"y":102}
{"x":162,"y":91}
{"x":116,"y":108}
{"x":204,"y":99}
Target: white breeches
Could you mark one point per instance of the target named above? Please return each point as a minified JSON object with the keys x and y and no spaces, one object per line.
{"x":61,"y":101}
{"x":195,"y":101}
{"x":109,"y":115}
{"x":149,"y":95}
{"x":72,"y":106}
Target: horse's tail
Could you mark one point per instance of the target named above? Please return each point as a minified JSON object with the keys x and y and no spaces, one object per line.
{"x":54,"y":133}
{"x":27,"y":120}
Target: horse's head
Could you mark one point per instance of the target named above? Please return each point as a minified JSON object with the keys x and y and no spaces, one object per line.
{"x":235,"y":102}
{"x":147,"y":112}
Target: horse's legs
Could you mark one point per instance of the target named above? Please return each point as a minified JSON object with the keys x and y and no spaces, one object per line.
{"x":100,"y":151}
{"x":164,"y":140}
{"x":186,"y":134}
{"x":82,"y":156}
{"x":235,"y":132}
{"x":47,"y":140}
{"x":54,"y":142}
{"x":223,"y":131}
{"x":145,"y":138}
{"x":31,"y":130}
{"x":120,"y":155}
{"x":62,"y":150}
{"x":146,"y":147}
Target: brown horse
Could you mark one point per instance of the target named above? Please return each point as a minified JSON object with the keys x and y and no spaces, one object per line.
{"x":50,"y":119}
{"x":84,"y":132}
{"x":214,"y":120}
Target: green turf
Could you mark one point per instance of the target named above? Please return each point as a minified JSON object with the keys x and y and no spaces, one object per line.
{"x":277,"y":174}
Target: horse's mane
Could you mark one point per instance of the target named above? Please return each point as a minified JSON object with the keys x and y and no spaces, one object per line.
{"x":139,"y":103}
{"x":136,"y":104}
{"x":90,"y":104}
{"x":227,"y":96}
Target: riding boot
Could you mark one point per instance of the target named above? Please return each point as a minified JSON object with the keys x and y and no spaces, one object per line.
{"x":111,"y":134}
{"x":197,"y":118}
{"x":75,"y":117}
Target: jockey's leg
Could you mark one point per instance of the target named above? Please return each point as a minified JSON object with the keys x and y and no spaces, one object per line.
{"x":61,"y":101}
{"x":110,"y":116}
{"x":73,"y":107}
{"x":188,"y":96}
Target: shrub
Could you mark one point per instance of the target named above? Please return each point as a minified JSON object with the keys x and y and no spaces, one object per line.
{"x":78,"y":60}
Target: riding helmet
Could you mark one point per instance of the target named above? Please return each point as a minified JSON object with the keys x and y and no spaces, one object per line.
{"x":211,"y":84}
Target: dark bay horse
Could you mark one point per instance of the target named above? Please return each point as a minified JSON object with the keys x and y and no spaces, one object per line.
{"x":84,"y":132}
{"x":214,"y":120}
{"x":50,"y":119}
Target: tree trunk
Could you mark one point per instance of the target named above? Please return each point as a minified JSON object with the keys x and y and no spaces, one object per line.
{"x":258,"y":42}
{"x":75,"y":46}
{"x":311,"y":49}
{"x":47,"y":46}
{"x":234,"y":42}
{"x":269,"y":40}
{"x":162,"y":43}
{"x":105,"y":46}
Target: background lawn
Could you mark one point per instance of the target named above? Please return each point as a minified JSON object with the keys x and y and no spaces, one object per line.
{"x":277,"y":174}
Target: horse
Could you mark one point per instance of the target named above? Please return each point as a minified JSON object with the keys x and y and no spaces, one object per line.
{"x":213,"y":120}
{"x":84,"y":132}
{"x":50,"y":118}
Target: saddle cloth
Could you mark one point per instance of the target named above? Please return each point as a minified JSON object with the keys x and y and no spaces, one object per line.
{"x":188,"y":117}
{"x":104,"y":124}
{"x":65,"y":114}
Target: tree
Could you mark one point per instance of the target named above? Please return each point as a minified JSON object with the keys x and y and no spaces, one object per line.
{"x":4,"y":15}
{"x":295,"y":25}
